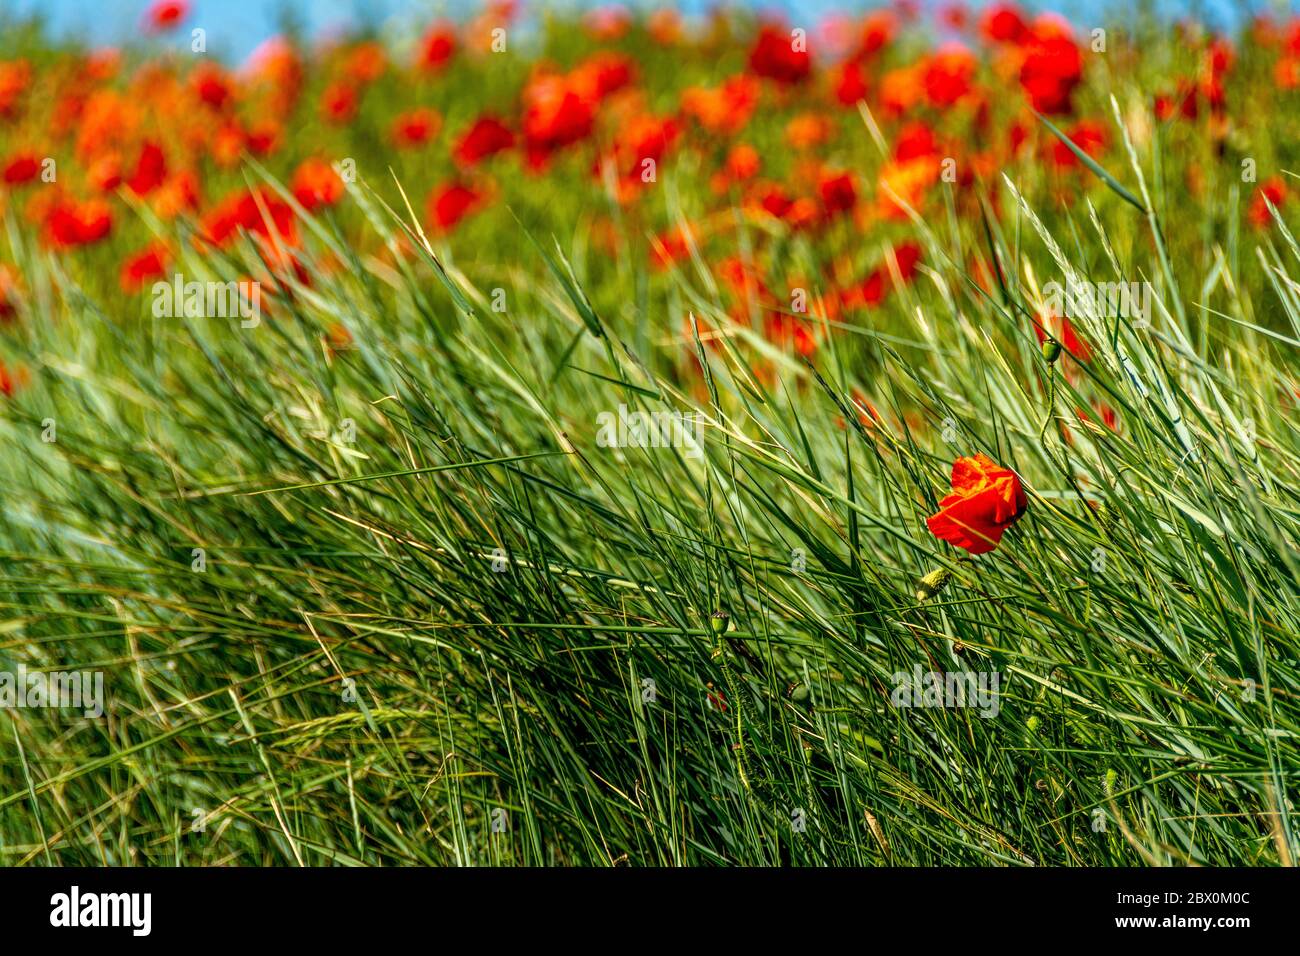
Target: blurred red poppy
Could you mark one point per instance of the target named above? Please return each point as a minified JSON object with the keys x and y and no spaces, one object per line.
{"x":780,"y":55}
{"x":416,"y":127}
{"x":164,"y":15}
{"x":144,"y":266}
{"x":451,"y":203}
{"x":487,"y":137}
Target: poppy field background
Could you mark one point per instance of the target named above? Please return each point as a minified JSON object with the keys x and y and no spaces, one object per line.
{"x":369,"y":585}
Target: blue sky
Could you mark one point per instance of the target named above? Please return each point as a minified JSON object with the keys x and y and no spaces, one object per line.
{"x":236,"y":26}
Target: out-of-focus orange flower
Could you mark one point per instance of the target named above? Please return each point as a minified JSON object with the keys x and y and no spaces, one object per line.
{"x":416,"y":127}
{"x":105,"y":173}
{"x":316,"y":184}
{"x":671,"y":246}
{"x":743,"y":162}
{"x":600,"y":75}
{"x":11,"y":380}
{"x":365,"y":63}
{"x":164,"y":15}
{"x":227,"y":145}
{"x":986,"y":500}
{"x":901,"y":89}
{"x":807,"y":130}
{"x":723,"y":110}
{"x":275,"y":66}
{"x":1286,"y":73}
{"x":144,"y":267}
{"x":665,"y":26}
{"x":450,"y":203}
{"x":8,"y":294}
{"x":487,"y":137}
{"x":608,"y":23}
{"x":180,"y":193}
{"x":15,"y":75}
{"x":642,"y":143}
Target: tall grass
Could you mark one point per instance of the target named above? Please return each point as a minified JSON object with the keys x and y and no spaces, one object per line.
{"x":471,"y":613}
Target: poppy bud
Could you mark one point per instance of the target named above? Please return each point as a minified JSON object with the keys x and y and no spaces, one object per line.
{"x":1051,"y":350}
{"x":719,"y":621}
{"x":932,"y":584}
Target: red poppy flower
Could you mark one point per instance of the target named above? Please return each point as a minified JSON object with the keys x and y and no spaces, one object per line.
{"x":555,"y":116}
{"x":143,"y":267}
{"x":1088,"y":135}
{"x":164,"y":15}
{"x":436,"y":48}
{"x":365,"y":64}
{"x":416,"y":127}
{"x":742,"y":162}
{"x":11,"y":381}
{"x":451,"y":203}
{"x":14,"y":78}
{"x":212,"y":86}
{"x":1275,"y":192}
{"x":262,"y":213}
{"x":1002,"y":23}
{"x":487,"y":137}
{"x":315,"y":184}
{"x":987,"y":499}
{"x":776,"y":56}
{"x":23,"y":168}
{"x":339,"y":103}
{"x":850,"y":83}
{"x":838,"y":193}
{"x":262,"y":138}
{"x":1050,"y":72}
{"x":600,"y":75}
{"x":70,"y":223}
{"x":948,"y":76}
{"x":150,"y":170}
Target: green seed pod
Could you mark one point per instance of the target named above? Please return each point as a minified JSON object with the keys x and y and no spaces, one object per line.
{"x":932,"y":584}
{"x":1051,"y":350}
{"x":719,"y":622}
{"x":1033,"y":723}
